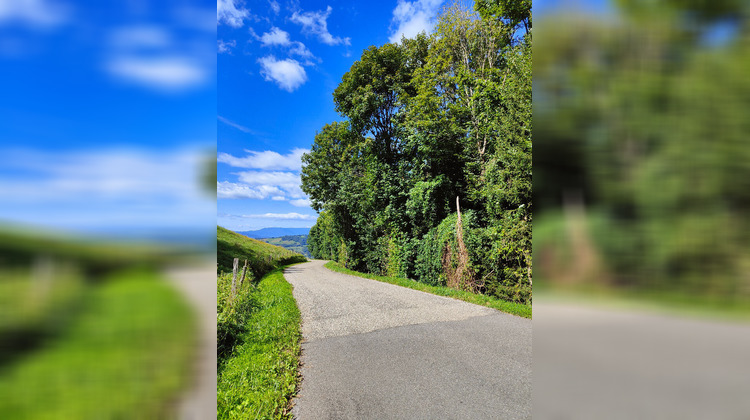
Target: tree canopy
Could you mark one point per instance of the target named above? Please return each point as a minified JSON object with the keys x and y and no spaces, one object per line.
{"x":429,"y":174}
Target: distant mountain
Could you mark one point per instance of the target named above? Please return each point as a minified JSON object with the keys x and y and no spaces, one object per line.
{"x":274,"y":232}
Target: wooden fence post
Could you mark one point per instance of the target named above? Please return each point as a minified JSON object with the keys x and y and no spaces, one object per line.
{"x":244,"y":270}
{"x":235,"y":265}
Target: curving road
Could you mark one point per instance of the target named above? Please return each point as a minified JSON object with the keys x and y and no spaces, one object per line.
{"x":372,"y":350}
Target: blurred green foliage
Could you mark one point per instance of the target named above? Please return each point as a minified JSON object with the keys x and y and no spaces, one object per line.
{"x":641,"y":156}
{"x":124,"y":354}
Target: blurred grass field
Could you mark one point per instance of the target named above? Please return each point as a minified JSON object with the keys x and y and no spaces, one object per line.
{"x":90,"y":331}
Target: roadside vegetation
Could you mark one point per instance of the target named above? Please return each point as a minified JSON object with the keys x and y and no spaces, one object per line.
{"x":520,"y":309}
{"x":258,"y":330}
{"x":428,"y":176}
{"x":87,"y":334}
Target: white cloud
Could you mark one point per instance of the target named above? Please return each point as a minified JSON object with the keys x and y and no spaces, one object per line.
{"x":280,"y":37}
{"x":275,"y":37}
{"x":280,"y":216}
{"x":287,"y":182}
{"x":164,"y":73}
{"x":411,"y":18}
{"x":36,"y":13}
{"x":288,"y":74}
{"x":300,"y":202}
{"x":301,"y":50}
{"x":267,"y":160}
{"x":275,"y":6}
{"x":277,"y":177}
{"x":226,"y":189}
{"x":234,"y":124}
{"x":228,"y":12}
{"x":316,"y":24}
{"x":154,"y":56}
{"x":225,"y":47}
{"x":283,"y":179}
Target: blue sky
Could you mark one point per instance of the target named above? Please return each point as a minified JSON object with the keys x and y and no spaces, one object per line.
{"x":108,"y":115}
{"x":278,"y":64}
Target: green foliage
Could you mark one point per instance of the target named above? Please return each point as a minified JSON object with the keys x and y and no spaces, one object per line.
{"x":428,"y":121}
{"x":429,"y":265}
{"x":514,"y":12}
{"x":232,"y":315}
{"x":396,"y":264}
{"x":323,"y":239}
{"x":260,"y":377}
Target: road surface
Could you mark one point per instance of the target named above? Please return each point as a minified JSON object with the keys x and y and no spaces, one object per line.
{"x":198,"y":285}
{"x":596,"y":362}
{"x":373,"y":350}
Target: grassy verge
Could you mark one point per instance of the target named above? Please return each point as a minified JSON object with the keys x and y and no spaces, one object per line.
{"x":258,"y":377}
{"x":488,"y":301}
{"x":125,"y":355}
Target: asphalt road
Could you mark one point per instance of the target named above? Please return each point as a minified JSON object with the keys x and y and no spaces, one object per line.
{"x":198,"y":285}
{"x":595,"y":362}
{"x":372,"y":350}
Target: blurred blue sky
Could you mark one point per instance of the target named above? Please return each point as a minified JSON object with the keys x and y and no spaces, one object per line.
{"x":278,"y":64}
{"x":108,"y":114}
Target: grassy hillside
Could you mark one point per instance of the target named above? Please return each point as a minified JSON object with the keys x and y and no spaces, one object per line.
{"x":261,"y":257}
{"x":296,"y":243}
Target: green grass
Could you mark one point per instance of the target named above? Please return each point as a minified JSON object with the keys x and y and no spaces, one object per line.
{"x":126,"y":354}
{"x":488,"y":301}
{"x":258,"y":330}
{"x":259,"y":378}
{"x":262,"y":257}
